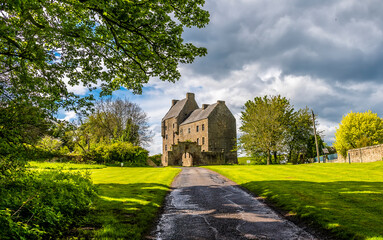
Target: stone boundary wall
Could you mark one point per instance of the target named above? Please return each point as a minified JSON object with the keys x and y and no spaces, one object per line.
{"x":365,"y":154}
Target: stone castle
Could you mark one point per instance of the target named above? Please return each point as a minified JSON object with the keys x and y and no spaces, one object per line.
{"x":198,"y":136}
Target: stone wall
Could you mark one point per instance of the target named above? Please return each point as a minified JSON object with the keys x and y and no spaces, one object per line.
{"x":366,"y":154}
{"x":361,"y":155}
{"x":223,"y":132}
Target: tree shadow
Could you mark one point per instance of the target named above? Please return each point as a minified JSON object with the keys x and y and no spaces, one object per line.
{"x":349,"y":209}
{"x":125,"y":211}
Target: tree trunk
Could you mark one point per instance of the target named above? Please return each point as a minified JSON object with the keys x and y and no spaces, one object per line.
{"x":275,"y":158}
{"x":268,"y":157}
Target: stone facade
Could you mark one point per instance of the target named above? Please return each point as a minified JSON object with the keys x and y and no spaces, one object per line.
{"x":198,"y":136}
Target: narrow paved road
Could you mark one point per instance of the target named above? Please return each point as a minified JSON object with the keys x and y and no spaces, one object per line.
{"x":204,"y":205}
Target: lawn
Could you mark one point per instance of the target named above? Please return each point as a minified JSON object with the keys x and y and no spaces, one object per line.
{"x":346,"y":199}
{"x":128,"y":200}
{"x":63,"y":166}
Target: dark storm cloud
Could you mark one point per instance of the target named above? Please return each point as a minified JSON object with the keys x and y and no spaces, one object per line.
{"x":332,"y":40}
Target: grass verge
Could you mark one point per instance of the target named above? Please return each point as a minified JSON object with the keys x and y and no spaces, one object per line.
{"x":346,"y":199}
{"x":129,"y":200}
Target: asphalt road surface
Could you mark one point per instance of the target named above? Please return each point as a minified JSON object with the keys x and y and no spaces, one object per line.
{"x":204,"y":205}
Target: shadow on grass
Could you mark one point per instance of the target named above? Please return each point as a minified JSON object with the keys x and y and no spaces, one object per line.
{"x":347,"y":208}
{"x":125,"y":211}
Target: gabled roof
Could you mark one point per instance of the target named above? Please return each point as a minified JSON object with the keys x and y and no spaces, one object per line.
{"x":175,"y":110}
{"x":200,"y":114}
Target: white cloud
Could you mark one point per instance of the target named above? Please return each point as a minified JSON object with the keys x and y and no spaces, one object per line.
{"x":69,"y":115}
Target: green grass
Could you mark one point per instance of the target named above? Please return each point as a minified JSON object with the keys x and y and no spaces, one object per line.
{"x":346,"y":199}
{"x":244,"y":161}
{"x":63,"y":166}
{"x":129,"y":200}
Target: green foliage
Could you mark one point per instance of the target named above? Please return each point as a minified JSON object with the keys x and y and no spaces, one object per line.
{"x":119,"y":43}
{"x":263,"y":124}
{"x":20,"y":123}
{"x":271,"y":125}
{"x":299,"y":135}
{"x":345,"y":199}
{"x":46,"y":204}
{"x":50,"y":144}
{"x":118,"y":152}
{"x":156,"y":159}
{"x":117,"y":120}
{"x":358,"y":130}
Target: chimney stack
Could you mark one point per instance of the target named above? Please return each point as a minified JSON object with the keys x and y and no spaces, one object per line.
{"x":174,"y":102}
{"x":204,"y":106}
{"x":190,"y":95}
{"x":220,"y":102}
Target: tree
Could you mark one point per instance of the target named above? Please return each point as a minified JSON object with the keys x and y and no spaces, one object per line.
{"x":117,"y":43}
{"x":264,"y":123}
{"x":118,"y":120}
{"x":358,"y":130}
{"x":45,"y":45}
{"x":299,"y":134}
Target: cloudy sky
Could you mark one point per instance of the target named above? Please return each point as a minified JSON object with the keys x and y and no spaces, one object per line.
{"x":327,"y":55}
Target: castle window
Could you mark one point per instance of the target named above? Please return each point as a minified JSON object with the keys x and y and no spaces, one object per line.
{"x":203,"y":140}
{"x":166,"y":136}
{"x":188,"y":130}
{"x":197,"y":128}
{"x":197,"y":141}
{"x":166,"y":147}
{"x":203,"y":127}
{"x":181,"y":130}
{"x":173,"y":125}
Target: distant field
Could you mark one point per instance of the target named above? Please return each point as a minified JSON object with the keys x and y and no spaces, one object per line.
{"x":346,"y":199}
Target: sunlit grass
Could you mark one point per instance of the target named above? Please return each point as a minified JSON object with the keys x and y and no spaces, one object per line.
{"x":63,"y":166}
{"x":346,"y":199}
{"x":129,"y":200}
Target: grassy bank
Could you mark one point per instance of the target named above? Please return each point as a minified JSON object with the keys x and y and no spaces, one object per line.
{"x":345,"y":199}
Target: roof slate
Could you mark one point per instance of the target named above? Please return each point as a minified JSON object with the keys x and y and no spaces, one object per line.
{"x":175,"y":110}
{"x":200,"y":114}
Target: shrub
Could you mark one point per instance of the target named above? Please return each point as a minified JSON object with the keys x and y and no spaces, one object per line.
{"x":156,"y":159}
{"x":46,"y":204}
{"x":118,"y":152}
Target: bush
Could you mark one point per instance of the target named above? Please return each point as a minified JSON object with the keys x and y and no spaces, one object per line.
{"x":156,"y":159}
{"x":46,"y":204}
{"x":118,"y":152}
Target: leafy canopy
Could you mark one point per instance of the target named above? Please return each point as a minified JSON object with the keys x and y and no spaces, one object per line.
{"x":44,"y":43}
{"x":264,"y":124}
{"x":270,"y":124}
{"x":358,"y":130}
